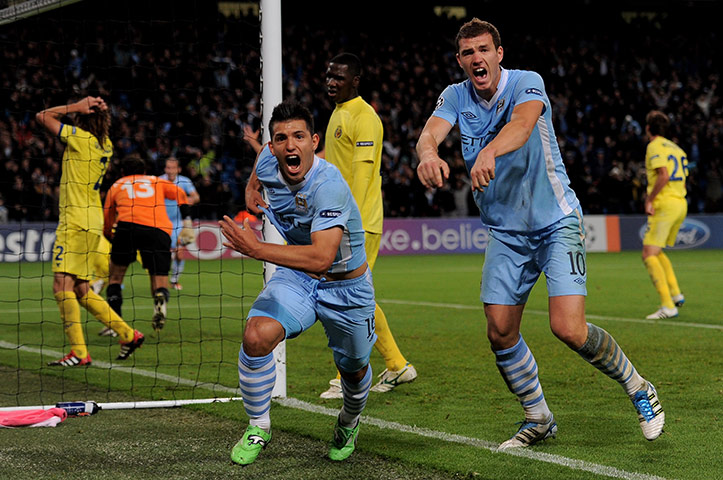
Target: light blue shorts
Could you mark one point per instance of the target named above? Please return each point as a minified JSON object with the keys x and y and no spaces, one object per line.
{"x":514,"y":262}
{"x":345,"y":308}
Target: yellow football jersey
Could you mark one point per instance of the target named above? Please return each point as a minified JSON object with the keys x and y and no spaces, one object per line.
{"x":84,"y":164}
{"x":661,"y":152}
{"x":355,"y":135}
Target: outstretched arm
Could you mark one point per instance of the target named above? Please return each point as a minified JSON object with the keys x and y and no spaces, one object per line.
{"x":50,"y":117}
{"x":432,"y":170}
{"x":253,"y":193}
{"x":253,"y":137}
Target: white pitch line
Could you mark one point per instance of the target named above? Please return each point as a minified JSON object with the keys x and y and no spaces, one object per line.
{"x":454,"y":306}
{"x":459,"y":306}
{"x":289,"y":402}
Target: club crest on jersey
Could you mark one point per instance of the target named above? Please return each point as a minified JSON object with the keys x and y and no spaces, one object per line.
{"x":440,"y":102}
{"x":300,"y":202}
{"x":337,"y":132}
{"x":500,"y":105}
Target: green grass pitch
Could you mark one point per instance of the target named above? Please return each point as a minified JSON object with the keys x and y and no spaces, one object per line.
{"x":444,"y":425}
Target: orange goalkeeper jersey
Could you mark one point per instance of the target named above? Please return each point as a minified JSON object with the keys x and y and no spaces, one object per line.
{"x":140,"y":199}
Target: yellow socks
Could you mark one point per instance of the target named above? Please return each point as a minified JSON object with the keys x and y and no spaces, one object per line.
{"x":386,"y":345}
{"x":100,"y":309}
{"x":669,"y":274}
{"x":660,"y":281}
{"x":70,"y":315}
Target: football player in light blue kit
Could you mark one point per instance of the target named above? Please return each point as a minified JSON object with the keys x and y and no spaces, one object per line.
{"x":535,"y":223}
{"x":172,"y":173}
{"x":322,"y":273}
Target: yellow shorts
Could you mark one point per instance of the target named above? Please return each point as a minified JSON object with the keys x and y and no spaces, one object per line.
{"x":372,"y":242}
{"x":75,"y":252}
{"x":663,"y":227}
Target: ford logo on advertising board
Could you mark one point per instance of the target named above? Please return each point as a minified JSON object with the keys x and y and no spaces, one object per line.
{"x":691,"y":234}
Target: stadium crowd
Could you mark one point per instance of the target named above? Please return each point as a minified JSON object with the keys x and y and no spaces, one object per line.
{"x":191,"y":89}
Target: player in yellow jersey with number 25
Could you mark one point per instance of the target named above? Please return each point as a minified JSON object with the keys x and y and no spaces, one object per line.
{"x":667,"y":167}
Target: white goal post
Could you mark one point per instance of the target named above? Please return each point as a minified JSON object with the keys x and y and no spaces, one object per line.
{"x":272,"y":95}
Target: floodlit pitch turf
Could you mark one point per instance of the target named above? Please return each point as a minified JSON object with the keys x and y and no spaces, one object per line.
{"x":444,"y":425}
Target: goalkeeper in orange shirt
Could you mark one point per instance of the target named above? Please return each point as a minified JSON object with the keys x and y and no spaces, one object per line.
{"x":136,"y":206}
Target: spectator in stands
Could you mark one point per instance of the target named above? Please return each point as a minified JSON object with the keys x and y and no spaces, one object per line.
{"x":610,"y":89}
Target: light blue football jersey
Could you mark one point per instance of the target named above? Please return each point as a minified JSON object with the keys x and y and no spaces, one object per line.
{"x":174,"y":213}
{"x":531,"y":189}
{"x":321,"y":201}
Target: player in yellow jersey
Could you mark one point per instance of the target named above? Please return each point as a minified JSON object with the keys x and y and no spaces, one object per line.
{"x":353,"y":144}
{"x":80,"y":225}
{"x":666,"y":165}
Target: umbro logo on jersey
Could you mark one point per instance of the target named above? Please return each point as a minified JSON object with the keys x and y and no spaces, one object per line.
{"x":440,"y":102}
{"x":469,"y":115}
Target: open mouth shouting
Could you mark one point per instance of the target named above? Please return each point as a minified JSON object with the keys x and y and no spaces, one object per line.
{"x":480,"y":74}
{"x":293,"y":165}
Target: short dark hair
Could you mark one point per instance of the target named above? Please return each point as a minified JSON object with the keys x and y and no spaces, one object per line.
{"x":351,"y":61}
{"x":475,"y":28}
{"x":657,"y":122}
{"x":133,"y":165}
{"x":291,"y":110}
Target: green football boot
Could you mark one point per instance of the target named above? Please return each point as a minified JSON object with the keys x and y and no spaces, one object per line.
{"x":248,"y":448}
{"x":344,"y":441}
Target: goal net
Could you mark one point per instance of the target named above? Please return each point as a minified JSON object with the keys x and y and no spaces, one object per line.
{"x":182,"y":79}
